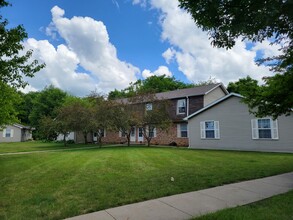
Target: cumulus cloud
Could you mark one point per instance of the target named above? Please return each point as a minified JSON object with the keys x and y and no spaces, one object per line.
{"x":87,"y":48}
{"x":162,"y":70}
{"x":191,"y":49}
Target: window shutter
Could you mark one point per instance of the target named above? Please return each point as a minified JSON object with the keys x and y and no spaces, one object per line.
{"x":104,"y":132}
{"x":120,"y":134}
{"x":274,"y":126}
{"x":217,"y":129}
{"x":11,"y":133}
{"x":202,"y":130}
{"x":4,"y":133}
{"x":178,"y":130}
{"x":155,"y":132}
{"x":254,"y":128}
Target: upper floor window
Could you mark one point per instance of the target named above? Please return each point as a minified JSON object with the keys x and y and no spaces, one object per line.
{"x":149,"y":106}
{"x":264,"y":128}
{"x":181,"y":106}
{"x":210,"y":130}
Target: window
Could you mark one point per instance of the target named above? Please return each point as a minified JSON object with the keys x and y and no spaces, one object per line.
{"x":102,"y":132}
{"x":149,"y":106}
{"x":152,"y":131}
{"x":209,"y":130}
{"x":8,"y":133}
{"x":182,"y":130}
{"x":264,"y":128}
{"x":122,"y":133}
{"x":181,"y":106}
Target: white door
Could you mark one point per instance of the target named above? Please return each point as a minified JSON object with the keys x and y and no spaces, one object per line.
{"x":140,"y":135}
{"x":132,"y":134}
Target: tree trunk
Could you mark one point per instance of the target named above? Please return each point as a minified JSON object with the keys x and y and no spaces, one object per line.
{"x":128,"y":140}
{"x":100,"y":141}
{"x":85,"y":137}
{"x":64,"y":140}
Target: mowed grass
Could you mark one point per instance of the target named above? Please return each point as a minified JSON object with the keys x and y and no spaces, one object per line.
{"x":38,"y":146}
{"x":56,"y":185}
{"x":278,"y":207}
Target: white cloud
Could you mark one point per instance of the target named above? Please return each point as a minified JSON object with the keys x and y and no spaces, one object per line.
{"x":88,"y":48}
{"x":191,"y":49}
{"x":162,"y":70}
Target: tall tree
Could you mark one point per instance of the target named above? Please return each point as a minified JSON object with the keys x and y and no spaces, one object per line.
{"x":9,"y":98}
{"x":153,"y":84}
{"x":13,"y":66}
{"x":227,"y":20}
{"x":45,"y":104}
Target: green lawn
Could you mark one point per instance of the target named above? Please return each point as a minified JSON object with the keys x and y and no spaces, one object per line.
{"x":278,"y":207}
{"x":56,"y":185}
{"x":37,"y":146}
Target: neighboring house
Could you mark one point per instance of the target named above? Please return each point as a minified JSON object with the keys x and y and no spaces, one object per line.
{"x":16,"y":133}
{"x":227,"y":124}
{"x":70,"y":137}
{"x":183,"y":102}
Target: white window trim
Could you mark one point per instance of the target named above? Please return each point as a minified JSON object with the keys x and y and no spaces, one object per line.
{"x":179,"y":130}
{"x":149,"y":106}
{"x":177,"y":107}
{"x":11,"y":133}
{"x":155,"y":132}
{"x":216,"y":129}
{"x":274,"y":129}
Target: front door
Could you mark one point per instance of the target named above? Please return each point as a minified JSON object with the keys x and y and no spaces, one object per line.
{"x":140,"y":135}
{"x":132,"y":134}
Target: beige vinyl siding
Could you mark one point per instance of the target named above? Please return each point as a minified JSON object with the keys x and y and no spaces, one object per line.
{"x":213,"y":96}
{"x":236,"y":129}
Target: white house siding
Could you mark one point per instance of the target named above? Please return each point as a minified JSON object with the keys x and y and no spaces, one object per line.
{"x":235,"y":129}
{"x":16,"y":135}
{"x":213,"y":95}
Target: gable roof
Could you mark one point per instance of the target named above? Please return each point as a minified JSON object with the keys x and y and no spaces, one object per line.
{"x":22,"y":126}
{"x":213,"y":104}
{"x":182,"y":93}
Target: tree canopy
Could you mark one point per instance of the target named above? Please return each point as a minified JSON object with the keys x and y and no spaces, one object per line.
{"x":228,"y":20}
{"x":154,"y":84}
{"x":15,"y":64}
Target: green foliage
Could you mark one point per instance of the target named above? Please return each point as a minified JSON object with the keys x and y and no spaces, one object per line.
{"x":267,"y":99}
{"x":45,"y":104}
{"x":275,"y":98}
{"x":228,"y":20}
{"x":8,"y":99}
{"x":153,"y":84}
{"x":24,"y":108}
{"x":243,"y":86}
{"x":14,"y":66}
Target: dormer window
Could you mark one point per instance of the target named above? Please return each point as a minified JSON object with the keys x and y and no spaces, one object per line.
{"x":181,"y":106}
{"x":149,"y":106}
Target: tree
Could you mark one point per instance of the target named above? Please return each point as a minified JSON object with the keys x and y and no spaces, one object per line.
{"x":133,"y":113}
{"x":102,"y":113}
{"x":153,"y":84}
{"x":13,"y":67}
{"x":45,"y":104}
{"x":228,"y":20}
{"x":243,"y":86}
{"x":9,"y":98}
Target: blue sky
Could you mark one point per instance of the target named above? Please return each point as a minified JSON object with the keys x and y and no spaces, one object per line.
{"x":106,"y":44}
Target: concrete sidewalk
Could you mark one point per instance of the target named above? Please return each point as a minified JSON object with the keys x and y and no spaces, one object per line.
{"x":188,"y":205}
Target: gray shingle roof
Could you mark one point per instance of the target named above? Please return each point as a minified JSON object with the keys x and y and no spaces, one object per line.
{"x":180,"y":93}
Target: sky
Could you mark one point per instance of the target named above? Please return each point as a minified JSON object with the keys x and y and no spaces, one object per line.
{"x":106,"y":44}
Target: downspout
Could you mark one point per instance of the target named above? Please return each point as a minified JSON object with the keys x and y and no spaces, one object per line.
{"x":187,"y":113}
{"x":187,"y":106}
